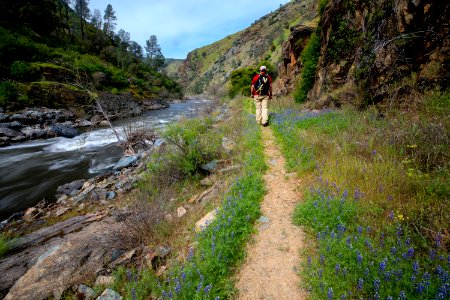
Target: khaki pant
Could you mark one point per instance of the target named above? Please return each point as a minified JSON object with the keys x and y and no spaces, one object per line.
{"x":262,"y":111}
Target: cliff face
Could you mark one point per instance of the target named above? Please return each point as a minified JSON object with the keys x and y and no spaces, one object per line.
{"x":382,"y":49}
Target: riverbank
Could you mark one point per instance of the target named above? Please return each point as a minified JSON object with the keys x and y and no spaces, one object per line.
{"x":43,"y":123}
{"x":84,"y":230}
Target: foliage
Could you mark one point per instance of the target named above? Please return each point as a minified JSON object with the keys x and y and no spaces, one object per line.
{"x":342,"y":40}
{"x":196,"y":144}
{"x":374,"y":209}
{"x":3,"y":245}
{"x":241,"y":80}
{"x":309,"y":57}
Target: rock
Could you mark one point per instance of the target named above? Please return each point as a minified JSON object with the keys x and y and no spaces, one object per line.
{"x":35,"y":133}
{"x":103,"y":123}
{"x":208,"y":181}
{"x":125,"y":258}
{"x":206,"y":220}
{"x":85,"y":123}
{"x":62,"y":199}
{"x":181,"y":211}
{"x":15,"y":125}
{"x":85,"y":292}
{"x":104,"y":280}
{"x":110,"y":195}
{"x":19,"y":138}
{"x":3,"y":117}
{"x":228,"y":144}
{"x":168,"y":218}
{"x":99,"y":195}
{"x":125,"y":161}
{"x":109,"y":294}
{"x":62,"y":211}
{"x":9,"y":132}
{"x":68,"y":188}
{"x":63,"y":130}
{"x":30,"y":213}
{"x":157,"y":258}
{"x":86,"y":185}
{"x":211,"y":166}
{"x":230,"y":169}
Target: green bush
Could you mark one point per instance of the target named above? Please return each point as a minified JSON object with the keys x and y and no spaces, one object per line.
{"x":309,"y":57}
{"x":196,"y":143}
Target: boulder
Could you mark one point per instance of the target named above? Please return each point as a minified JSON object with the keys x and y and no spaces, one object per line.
{"x":109,"y":294}
{"x":4,"y":117}
{"x":85,"y":292}
{"x":104,"y":280}
{"x":205,"y":221}
{"x":35,"y":133}
{"x":63,"y":130}
{"x":10,"y":132}
{"x":181,"y":211}
{"x":68,"y":188}
{"x":125,"y":161}
{"x":84,"y":123}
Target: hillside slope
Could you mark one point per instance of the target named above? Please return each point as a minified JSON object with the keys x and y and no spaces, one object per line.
{"x":210,"y":66}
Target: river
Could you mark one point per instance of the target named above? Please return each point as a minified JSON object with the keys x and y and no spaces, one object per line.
{"x":31,"y":171}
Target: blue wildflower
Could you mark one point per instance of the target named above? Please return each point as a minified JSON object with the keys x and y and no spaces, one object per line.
{"x":376,"y":284}
{"x":207,"y":289}
{"x":415,"y":267}
{"x":337,"y":269}
{"x":360,"y":283}
{"x":402,"y":295}
{"x":330,"y":293}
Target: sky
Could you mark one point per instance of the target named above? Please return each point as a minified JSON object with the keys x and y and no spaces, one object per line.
{"x":181,"y":25}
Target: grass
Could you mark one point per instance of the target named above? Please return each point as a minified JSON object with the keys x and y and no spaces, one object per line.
{"x":376,"y":212}
{"x":4,"y":246}
{"x":214,"y":253}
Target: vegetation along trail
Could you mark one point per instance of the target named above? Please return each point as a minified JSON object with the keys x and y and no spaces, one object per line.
{"x":270,"y":269}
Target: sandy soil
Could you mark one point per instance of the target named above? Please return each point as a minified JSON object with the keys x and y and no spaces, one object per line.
{"x":271,"y":267}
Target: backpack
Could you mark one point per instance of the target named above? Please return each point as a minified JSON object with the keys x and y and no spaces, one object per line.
{"x":262,"y":86}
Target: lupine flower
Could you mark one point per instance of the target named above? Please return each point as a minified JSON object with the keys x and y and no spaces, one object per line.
{"x":360,"y":283}
{"x":133,"y":294}
{"x":337,"y":268}
{"x":433,"y":254}
{"x":359,"y":257}
{"x":438,"y":239}
{"x":402,"y":295}
{"x":309,"y":260}
{"x":415,"y":267}
{"x":410,"y":252}
{"x":420,"y":287}
{"x":393,"y":250}
{"x":207,"y":289}
{"x":360,"y":229}
{"x":408,"y":241}
{"x":382,"y":266}
{"x":389,"y":298}
{"x":391,"y":215}
{"x":330,"y":293}
{"x":376,"y":284}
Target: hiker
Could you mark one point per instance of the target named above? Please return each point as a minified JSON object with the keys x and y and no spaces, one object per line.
{"x":261,"y":93}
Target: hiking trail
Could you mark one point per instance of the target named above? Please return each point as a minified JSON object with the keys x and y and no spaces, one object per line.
{"x":273,"y":258}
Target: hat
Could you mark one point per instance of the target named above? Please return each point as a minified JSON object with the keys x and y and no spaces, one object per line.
{"x":262,"y":68}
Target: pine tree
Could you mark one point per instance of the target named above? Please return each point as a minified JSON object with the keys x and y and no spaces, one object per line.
{"x":109,"y":18}
{"x":82,"y":9}
{"x":96,"y":19}
{"x":155,"y":58}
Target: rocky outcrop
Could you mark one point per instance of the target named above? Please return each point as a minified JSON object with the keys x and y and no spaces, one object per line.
{"x":367,"y":46}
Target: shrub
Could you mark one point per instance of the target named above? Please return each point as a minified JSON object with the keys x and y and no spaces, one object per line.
{"x":196,"y":143}
{"x":309,"y":57}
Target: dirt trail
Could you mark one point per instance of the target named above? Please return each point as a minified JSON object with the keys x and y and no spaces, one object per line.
{"x":271,"y":266}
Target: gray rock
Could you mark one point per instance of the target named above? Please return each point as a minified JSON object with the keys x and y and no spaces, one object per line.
{"x":211,"y":166}
{"x":110,"y":195}
{"x":10,"y":132}
{"x":16,"y":125}
{"x":86,"y":292}
{"x":109,"y":294}
{"x":125,"y":161}
{"x":99,"y":195}
{"x":85,"y":123}
{"x":20,"y":138}
{"x":34,"y":133}
{"x":68,"y":188}
{"x":63,"y":130}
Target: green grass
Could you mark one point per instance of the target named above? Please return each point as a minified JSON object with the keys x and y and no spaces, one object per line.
{"x":376,"y":212}
{"x":4,"y":246}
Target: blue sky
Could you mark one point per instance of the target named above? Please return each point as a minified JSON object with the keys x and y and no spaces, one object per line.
{"x":181,"y":25}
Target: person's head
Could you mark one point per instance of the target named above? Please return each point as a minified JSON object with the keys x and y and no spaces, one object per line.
{"x":263,"y":69}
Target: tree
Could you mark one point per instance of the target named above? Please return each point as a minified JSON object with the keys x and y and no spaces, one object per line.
{"x":123,"y":39}
{"x":110,"y":20}
{"x":82,"y":9}
{"x":96,"y":19}
{"x":155,"y":58}
{"x":136,"y":50}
